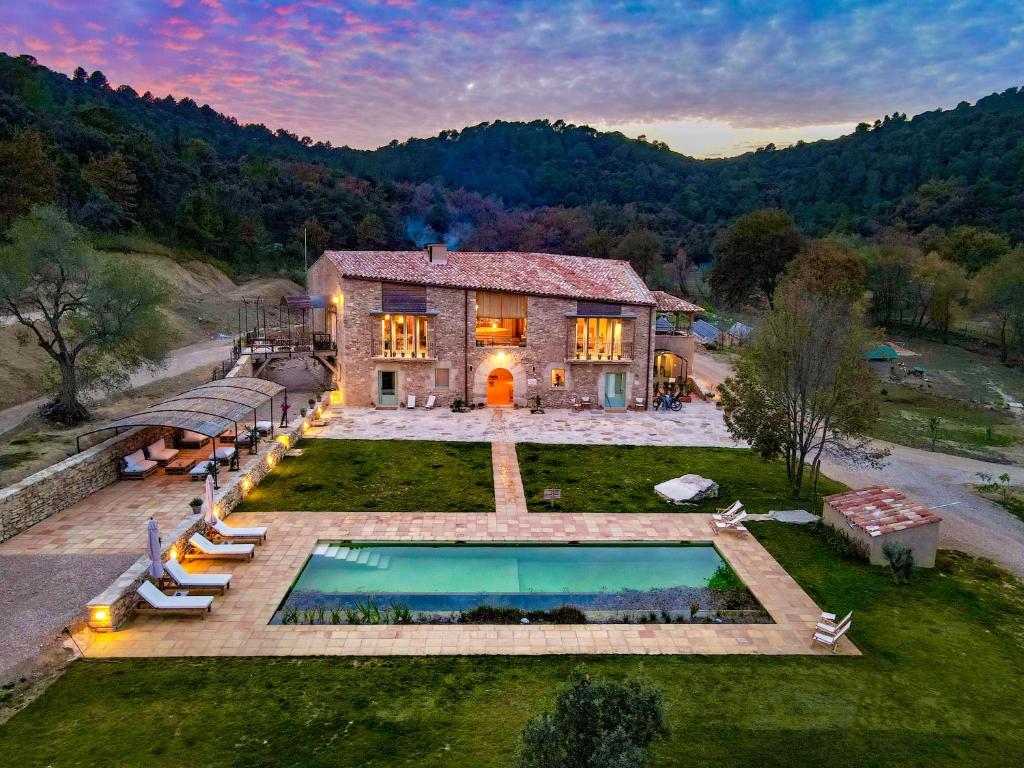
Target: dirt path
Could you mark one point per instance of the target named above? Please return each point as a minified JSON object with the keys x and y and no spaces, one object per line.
{"x":209,"y":352}
{"x":970,"y":522}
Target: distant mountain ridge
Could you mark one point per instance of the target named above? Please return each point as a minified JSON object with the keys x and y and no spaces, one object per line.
{"x":190,"y":174}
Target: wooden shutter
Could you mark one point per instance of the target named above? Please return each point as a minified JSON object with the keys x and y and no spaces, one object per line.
{"x":401,"y":297}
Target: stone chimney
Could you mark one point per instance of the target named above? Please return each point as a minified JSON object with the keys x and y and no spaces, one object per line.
{"x":437,"y":253}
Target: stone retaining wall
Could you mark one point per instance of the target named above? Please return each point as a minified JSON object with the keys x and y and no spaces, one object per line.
{"x":109,"y":610}
{"x":66,"y":483}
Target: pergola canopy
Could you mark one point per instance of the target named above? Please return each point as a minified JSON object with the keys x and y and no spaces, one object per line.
{"x":208,"y":409}
{"x":298,"y":301}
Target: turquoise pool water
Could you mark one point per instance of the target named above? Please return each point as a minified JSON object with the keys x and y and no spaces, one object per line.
{"x":451,"y":577}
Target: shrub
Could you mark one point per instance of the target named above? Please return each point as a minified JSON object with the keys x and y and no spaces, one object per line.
{"x":596,"y":723}
{"x":840,"y":543}
{"x":497,"y":614}
{"x":724,"y":578}
{"x":901,"y":561}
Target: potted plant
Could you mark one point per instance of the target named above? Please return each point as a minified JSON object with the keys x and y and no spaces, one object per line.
{"x":312,"y":402}
{"x":253,"y":436}
{"x":302,"y":412}
{"x":196,"y":503}
{"x":536,"y":403}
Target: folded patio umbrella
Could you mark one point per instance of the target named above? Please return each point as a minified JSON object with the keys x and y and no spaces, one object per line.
{"x":156,"y":564}
{"x":209,"y":517}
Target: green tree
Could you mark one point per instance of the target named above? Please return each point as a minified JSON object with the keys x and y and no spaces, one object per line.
{"x":829,"y":268}
{"x":973,"y":248}
{"x":370,"y":231}
{"x":596,"y":724}
{"x":114,"y":177}
{"x":98,"y":321}
{"x":27,"y":176}
{"x":941,"y":286}
{"x":801,"y":384}
{"x":889,"y":268}
{"x":997,"y":294}
{"x":317,"y":237}
{"x":642,"y":249}
{"x":752,"y":254}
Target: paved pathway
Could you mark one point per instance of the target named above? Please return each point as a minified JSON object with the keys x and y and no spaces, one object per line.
{"x":509,"y":496}
{"x":697,"y":424}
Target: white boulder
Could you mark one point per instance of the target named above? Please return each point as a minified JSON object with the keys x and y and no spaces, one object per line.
{"x":688,"y":488}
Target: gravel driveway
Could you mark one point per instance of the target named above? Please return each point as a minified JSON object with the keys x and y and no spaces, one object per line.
{"x":970,"y":523}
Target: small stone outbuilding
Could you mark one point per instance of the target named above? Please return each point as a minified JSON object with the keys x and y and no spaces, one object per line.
{"x":876,"y":515}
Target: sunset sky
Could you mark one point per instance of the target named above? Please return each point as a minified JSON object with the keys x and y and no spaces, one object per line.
{"x":710,"y":78}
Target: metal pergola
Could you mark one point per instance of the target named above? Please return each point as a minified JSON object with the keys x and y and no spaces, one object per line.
{"x":209,"y":410}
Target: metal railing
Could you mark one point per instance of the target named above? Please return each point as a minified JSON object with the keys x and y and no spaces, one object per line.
{"x":600,"y":353}
{"x":381,"y":350}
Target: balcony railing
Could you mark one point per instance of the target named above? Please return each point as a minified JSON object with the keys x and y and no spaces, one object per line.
{"x":501,"y":341}
{"x":600,"y":354}
{"x":380,"y":350}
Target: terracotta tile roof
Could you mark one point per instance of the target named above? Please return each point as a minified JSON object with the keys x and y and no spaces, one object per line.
{"x":880,"y":510}
{"x":668,"y":303}
{"x":541,"y":274}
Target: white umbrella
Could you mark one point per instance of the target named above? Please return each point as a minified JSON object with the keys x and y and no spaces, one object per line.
{"x":156,"y":564}
{"x":208,"y":514}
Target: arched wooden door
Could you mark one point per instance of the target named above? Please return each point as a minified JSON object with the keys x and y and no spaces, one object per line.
{"x":499,"y":387}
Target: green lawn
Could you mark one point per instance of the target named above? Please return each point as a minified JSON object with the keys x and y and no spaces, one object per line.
{"x":940,"y":685}
{"x":962,"y":428}
{"x":379,"y":476}
{"x":621,"y":478}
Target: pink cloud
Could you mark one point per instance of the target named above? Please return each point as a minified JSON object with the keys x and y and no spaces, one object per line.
{"x":175,"y":26}
{"x":35,"y":44}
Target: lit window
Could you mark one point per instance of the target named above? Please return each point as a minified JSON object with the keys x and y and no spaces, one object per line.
{"x":558,"y":378}
{"x":442,"y":377}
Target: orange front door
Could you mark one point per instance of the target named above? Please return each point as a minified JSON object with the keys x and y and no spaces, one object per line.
{"x":499,"y":387}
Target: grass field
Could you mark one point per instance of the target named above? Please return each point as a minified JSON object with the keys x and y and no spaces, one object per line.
{"x":621,"y":478}
{"x":961,"y":429}
{"x":940,"y":684}
{"x":379,"y":475}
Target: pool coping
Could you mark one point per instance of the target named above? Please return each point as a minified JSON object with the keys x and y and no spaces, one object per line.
{"x":238,"y":624}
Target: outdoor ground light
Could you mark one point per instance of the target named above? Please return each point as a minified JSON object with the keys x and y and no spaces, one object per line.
{"x":246,"y":483}
{"x":173,"y":554}
{"x":284,"y":440}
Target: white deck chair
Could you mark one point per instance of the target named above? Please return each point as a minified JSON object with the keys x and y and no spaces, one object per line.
{"x":257,"y":534}
{"x":431,"y":400}
{"x":728,"y":513}
{"x":831,"y":639}
{"x":204,"y":549}
{"x":197,"y":582}
{"x":157,"y":602}
{"x":733,"y":524}
{"x":411,"y":402}
{"x":830,"y":625}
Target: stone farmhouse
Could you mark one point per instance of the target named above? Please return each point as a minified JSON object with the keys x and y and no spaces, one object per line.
{"x":496,"y":328}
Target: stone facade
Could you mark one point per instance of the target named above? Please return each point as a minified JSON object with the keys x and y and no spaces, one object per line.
{"x":452,"y":325}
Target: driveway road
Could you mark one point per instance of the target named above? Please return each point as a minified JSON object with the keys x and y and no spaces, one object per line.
{"x":970,"y":522}
{"x":209,"y":352}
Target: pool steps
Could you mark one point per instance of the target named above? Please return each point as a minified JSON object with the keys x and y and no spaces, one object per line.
{"x":351,"y":555}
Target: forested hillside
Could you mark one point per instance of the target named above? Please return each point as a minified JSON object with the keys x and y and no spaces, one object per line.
{"x":119,"y":161}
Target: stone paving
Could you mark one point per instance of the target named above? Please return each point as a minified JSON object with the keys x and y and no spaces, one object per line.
{"x":239,"y":624}
{"x":697,"y":424}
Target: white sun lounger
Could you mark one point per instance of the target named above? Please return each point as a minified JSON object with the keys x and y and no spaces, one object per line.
{"x":830,"y":636}
{"x":257,"y":533}
{"x":197,"y":582}
{"x":830,"y":625}
{"x":223,"y":455}
{"x":204,"y":549}
{"x":264,"y":427}
{"x":728,"y":513}
{"x":733,"y":524}
{"x":411,"y":402}
{"x":430,"y":402}
{"x":157,"y":602}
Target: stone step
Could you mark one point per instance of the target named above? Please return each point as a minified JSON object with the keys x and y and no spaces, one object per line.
{"x":374,"y":559}
{"x":384,"y":562}
{"x":342,"y":553}
{"x":331,"y":551}
{"x":320,"y":549}
{"x":352,"y":555}
{"x":364,"y":555}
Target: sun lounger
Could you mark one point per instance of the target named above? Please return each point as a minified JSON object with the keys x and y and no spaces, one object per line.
{"x":191,"y":439}
{"x":728,"y":513}
{"x":255,"y":535}
{"x":430,"y":402}
{"x":733,"y":524}
{"x":411,"y":402}
{"x":830,"y":636}
{"x":265,"y":427}
{"x":223,"y":454}
{"x":160,"y":453}
{"x":156,"y":601}
{"x":137,"y":466}
{"x":200,"y":470}
{"x":831,"y":626}
{"x":197,"y":582}
{"x":204,"y":549}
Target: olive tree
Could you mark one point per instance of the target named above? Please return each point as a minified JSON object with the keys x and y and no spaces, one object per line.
{"x":801,"y":384}
{"x":97,"y":319}
{"x":595,"y":724}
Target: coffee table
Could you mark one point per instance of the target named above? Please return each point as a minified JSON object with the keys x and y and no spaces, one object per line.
{"x":179,"y":466}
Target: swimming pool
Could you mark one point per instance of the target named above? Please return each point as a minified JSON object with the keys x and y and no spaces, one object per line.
{"x":448,"y":578}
